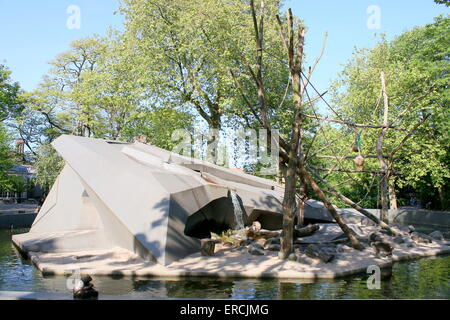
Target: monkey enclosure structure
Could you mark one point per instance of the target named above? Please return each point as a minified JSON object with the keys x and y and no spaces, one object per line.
{"x":153,"y":202}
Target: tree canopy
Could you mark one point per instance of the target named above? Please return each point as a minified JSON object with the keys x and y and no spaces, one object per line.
{"x":10,"y":102}
{"x":183,"y":64}
{"x":416,"y":65}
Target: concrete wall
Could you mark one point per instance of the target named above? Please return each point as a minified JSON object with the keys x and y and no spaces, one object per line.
{"x":420,"y":216}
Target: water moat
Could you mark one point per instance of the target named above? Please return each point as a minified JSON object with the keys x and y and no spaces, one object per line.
{"x":427,"y":278}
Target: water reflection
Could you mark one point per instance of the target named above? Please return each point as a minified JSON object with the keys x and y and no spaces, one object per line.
{"x":420,"y":279}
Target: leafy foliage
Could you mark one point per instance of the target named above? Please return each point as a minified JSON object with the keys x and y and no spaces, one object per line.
{"x":416,"y":65}
{"x":10,"y":103}
{"x":48,"y":166}
{"x":8,"y":183}
{"x":446,"y":2}
{"x":184,"y":50}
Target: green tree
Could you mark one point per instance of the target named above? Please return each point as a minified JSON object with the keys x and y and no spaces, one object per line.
{"x":48,"y":165}
{"x":446,"y":2}
{"x":10,"y":102}
{"x":416,"y":66}
{"x":185,"y":50}
{"x":7,"y":182}
{"x":91,"y":91}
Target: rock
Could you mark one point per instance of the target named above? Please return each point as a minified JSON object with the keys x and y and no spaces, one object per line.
{"x":398,"y":231}
{"x":255,"y":250}
{"x":282,"y":255}
{"x":421,"y":237}
{"x":404,"y":229}
{"x":437,"y":235}
{"x":327,"y":232}
{"x":257,"y":245}
{"x":398,"y":240}
{"x":273,"y":247}
{"x":261,"y":242}
{"x":375,"y":236}
{"x":292,"y":257}
{"x":366,"y":222}
{"x":86,"y":291}
{"x":340,"y":248}
{"x":275,"y":240}
{"x":409,"y":243}
{"x":305,"y":231}
{"x":315,"y":251}
{"x":304,"y":259}
{"x":207,"y":247}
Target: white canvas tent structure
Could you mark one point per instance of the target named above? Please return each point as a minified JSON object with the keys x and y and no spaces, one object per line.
{"x":150,"y":201}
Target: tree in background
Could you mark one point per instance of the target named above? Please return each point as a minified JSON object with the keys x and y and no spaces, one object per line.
{"x":11,"y":105}
{"x":446,"y":2}
{"x":183,"y":52}
{"x":6,"y":160}
{"x":10,"y":102}
{"x":48,"y":165}
{"x":92,"y":91}
{"x":416,"y":66}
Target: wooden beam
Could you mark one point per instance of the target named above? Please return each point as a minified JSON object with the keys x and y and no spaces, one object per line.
{"x":349,"y":157}
{"x":380,"y":172}
{"x":354,"y":205}
{"x":351,"y":124}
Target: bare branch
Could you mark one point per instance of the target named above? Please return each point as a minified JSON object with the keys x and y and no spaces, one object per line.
{"x":351,"y":124}
{"x":354,"y":171}
{"x":335,"y":193}
{"x":408,"y":135}
{"x":412,"y":102}
{"x":348,"y":157}
{"x":247,"y":102}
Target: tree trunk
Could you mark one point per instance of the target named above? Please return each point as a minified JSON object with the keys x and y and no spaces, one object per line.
{"x":295,"y":159}
{"x":289,"y":206}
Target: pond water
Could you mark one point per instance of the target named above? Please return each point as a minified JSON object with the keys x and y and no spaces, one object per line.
{"x":420,"y":279}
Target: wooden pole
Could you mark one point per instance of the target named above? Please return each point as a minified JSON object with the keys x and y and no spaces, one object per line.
{"x":384,"y":189}
{"x":354,"y":205}
{"x":318,"y":191}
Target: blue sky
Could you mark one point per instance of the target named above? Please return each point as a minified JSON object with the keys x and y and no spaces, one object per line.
{"x":33,"y":32}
